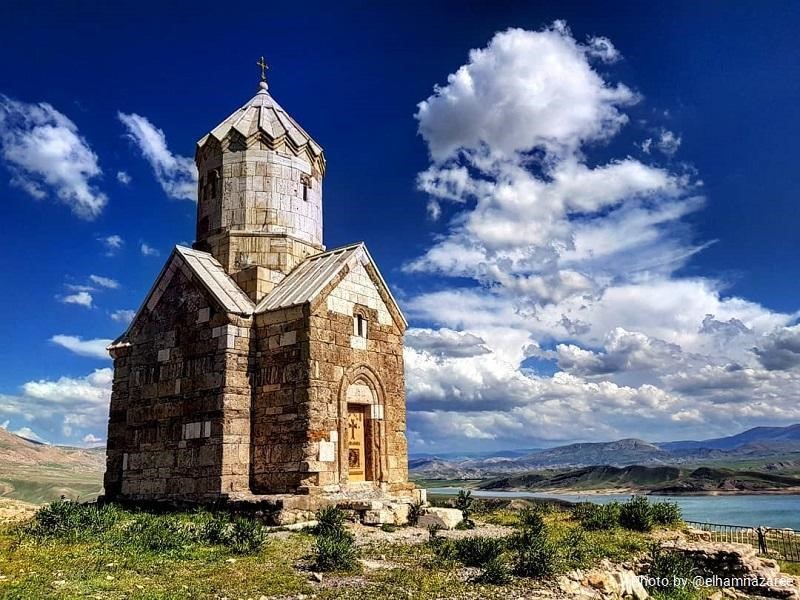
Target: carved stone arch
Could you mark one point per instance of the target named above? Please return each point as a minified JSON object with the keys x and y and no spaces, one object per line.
{"x":370,"y":393}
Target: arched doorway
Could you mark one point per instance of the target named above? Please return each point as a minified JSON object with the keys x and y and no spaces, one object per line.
{"x":362,"y":432}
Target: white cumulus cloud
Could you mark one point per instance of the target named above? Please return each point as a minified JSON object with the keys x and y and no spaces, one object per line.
{"x":560,"y":313}
{"x":176,"y":174}
{"x":95,"y":348}
{"x":46,"y":154}
{"x":81,"y":298}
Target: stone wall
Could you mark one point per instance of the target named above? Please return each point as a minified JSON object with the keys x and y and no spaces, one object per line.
{"x":281,"y":402}
{"x":365,"y":370}
{"x":179,"y":415}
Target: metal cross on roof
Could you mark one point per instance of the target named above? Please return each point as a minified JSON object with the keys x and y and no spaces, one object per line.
{"x":264,"y":66}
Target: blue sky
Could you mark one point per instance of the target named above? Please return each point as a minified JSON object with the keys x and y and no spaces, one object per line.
{"x":558,"y":220}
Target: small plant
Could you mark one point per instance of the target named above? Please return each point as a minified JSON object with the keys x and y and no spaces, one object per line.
{"x":389,"y":527}
{"x":330,"y":520}
{"x":531,"y":521}
{"x":245,"y":536}
{"x":335,"y":548}
{"x":336,"y":552}
{"x":495,"y":572}
{"x":575,"y":549}
{"x":594,"y":517}
{"x":158,"y":533}
{"x":464,"y":504}
{"x":414,"y":512}
{"x":636,"y":514}
{"x":670,"y":575}
{"x":477,"y":551}
{"x":538,"y":558}
{"x":433,"y":532}
{"x":666,"y":513}
{"x":67,"y":519}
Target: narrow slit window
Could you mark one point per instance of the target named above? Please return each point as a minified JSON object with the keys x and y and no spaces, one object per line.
{"x":306,"y":186}
{"x":361,"y":326}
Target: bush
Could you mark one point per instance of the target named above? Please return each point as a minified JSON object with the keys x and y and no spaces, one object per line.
{"x":336,"y":552}
{"x":389,"y":527}
{"x":478,"y":551}
{"x":666,"y":513}
{"x":414,"y":512}
{"x":495,"y":572}
{"x":330,"y":521}
{"x":65,"y":518}
{"x":335,"y":549}
{"x":575,"y":549}
{"x":158,"y":533}
{"x":245,"y":536}
{"x":636,"y":514}
{"x":531,"y":521}
{"x":595,"y":517}
{"x":537,"y":558}
{"x":670,"y":575}
{"x":464,"y":504}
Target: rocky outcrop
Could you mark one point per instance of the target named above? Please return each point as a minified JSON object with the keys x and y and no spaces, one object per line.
{"x":737,"y":566}
{"x":606,"y":582}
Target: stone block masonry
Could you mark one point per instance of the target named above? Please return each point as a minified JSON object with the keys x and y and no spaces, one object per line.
{"x":262,"y":370}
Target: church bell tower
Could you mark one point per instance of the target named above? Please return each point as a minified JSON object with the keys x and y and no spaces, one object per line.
{"x":259,"y":196}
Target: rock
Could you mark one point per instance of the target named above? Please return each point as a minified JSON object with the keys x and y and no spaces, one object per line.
{"x":316,"y":577}
{"x":378,"y":517}
{"x":629,"y":585}
{"x":445,"y":518}
{"x":400,"y":511}
{"x":715,"y":596}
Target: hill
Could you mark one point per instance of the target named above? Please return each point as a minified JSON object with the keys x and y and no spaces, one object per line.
{"x":35,"y":472}
{"x":659,"y":480}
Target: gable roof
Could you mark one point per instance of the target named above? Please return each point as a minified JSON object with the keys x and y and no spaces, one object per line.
{"x":214,"y":278}
{"x":203,"y":267}
{"x":314,"y":274}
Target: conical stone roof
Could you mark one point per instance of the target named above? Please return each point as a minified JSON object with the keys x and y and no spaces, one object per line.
{"x":262,"y":117}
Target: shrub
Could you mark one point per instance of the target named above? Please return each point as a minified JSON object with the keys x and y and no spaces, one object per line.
{"x":594,"y":517}
{"x":478,"y":551}
{"x":158,"y":533}
{"x":245,"y":536}
{"x":65,"y":518}
{"x":330,"y":521}
{"x":575,"y":549}
{"x":670,"y":575}
{"x":464,"y":525}
{"x":666,"y":513}
{"x":531,"y":521}
{"x":389,"y":527}
{"x":335,"y":548}
{"x":537,"y":558}
{"x":464,"y":504}
{"x":336,"y":552}
{"x":636,"y":514}
{"x":414,"y":512}
{"x":495,"y":572}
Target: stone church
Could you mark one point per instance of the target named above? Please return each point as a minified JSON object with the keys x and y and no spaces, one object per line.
{"x":260,"y":363}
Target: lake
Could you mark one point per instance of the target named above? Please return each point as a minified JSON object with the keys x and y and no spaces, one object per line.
{"x":768,"y":510}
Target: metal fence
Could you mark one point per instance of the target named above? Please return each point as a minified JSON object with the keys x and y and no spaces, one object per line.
{"x":783,"y":544}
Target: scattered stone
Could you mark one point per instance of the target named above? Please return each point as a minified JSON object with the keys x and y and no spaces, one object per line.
{"x":445,"y":518}
{"x":316,"y":577}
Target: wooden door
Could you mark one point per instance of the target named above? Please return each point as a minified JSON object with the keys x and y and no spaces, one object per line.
{"x":356,"y":454}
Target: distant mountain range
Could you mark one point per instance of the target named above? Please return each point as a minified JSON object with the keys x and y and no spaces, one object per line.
{"x":38,"y":473}
{"x":777,"y":447}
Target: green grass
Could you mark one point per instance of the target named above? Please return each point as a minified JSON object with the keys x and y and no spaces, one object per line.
{"x":142,"y":556}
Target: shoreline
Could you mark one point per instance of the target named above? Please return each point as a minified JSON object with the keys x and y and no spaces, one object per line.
{"x":633,"y":491}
